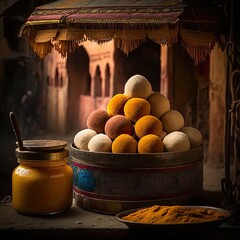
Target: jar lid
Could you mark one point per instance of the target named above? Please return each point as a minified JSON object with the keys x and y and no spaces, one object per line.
{"x":42,"y":155}
{"x":43,"y":150}
{"x":44,"y":144}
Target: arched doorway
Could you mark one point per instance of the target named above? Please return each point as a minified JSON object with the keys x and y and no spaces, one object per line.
{"x":79,"y":84}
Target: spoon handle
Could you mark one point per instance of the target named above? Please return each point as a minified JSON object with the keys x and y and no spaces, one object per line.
{"x":16,"y":130}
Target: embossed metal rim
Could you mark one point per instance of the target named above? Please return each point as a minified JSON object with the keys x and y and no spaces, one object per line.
{"x":136,"y":159}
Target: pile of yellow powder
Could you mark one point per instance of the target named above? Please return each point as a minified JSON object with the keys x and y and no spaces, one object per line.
{"x":174,"y":214}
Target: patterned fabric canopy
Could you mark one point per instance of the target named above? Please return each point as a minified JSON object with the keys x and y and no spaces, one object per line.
{"x":65,"y":24}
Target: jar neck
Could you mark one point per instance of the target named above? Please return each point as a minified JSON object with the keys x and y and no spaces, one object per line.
{"x":43,"y":163}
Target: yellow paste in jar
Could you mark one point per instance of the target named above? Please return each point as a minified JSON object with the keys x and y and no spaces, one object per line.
{"x":42,"y":187}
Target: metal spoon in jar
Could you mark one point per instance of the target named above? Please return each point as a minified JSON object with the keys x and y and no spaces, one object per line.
{"x":16,"y":130}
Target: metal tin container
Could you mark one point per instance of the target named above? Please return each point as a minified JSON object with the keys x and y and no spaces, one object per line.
{"x":110,"y":183}
{"x":42,"y":183}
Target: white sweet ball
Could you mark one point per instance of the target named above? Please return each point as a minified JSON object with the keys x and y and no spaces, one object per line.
{"x":138,"y":86}
{"x":159,"y":104}
{"x":194,"y":136}
{"x":176,"y":142}
{"x":82,"y":138}
{"x":100,"y":143}
{"x":172,"y":120}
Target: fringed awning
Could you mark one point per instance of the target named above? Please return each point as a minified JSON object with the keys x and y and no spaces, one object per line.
{"x":65,"y":24}
{"x":201,"y":27}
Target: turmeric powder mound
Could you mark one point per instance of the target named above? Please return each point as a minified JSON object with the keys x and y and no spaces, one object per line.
{"x":174,"y":214}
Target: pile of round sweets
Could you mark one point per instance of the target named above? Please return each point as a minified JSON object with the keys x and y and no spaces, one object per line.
{"x":137,"y":121}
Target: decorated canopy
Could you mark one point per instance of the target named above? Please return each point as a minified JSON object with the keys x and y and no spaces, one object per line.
{"x":65,"y":24}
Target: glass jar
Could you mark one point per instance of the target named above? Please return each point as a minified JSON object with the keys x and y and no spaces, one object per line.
{"x":42,"y":183}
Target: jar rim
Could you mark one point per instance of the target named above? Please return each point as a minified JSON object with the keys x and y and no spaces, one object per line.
{"x":52,"y":155}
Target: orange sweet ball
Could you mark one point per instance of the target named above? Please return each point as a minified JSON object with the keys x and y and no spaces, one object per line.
{"x":150,"y":144}
{"x":124,"y":143}
{"x":118,"y":125}
{"x":97,"y":120}
{"x":148,"y":125}
{"x":116,"y":104}
{"x":136,"y":108}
